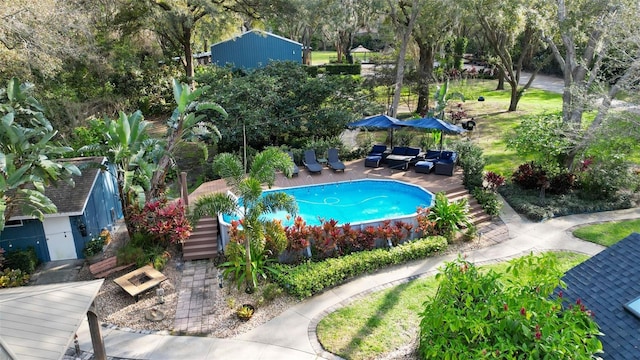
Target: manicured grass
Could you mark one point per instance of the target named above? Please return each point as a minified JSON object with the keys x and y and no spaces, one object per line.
{"x":322,"y":57}
{"x":608,"y":233}
{"x":387,"y":320}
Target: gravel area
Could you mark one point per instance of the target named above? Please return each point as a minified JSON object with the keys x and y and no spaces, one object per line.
{"x":119,"y":309}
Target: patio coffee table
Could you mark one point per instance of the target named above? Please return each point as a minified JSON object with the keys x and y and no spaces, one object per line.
{"x":138,"y":281}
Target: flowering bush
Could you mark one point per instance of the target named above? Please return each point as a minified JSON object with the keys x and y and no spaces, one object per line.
{"x":166,"y":221}
{"x":478,"y":315}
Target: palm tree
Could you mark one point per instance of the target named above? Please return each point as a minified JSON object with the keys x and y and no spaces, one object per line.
{"x":253,"y":205}
{"x":129,"y":147}
{"x":190,"y":121}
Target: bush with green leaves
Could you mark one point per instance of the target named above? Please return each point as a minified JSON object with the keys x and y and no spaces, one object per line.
{"x":529,"y":203}
{"x":472,"y":162}
{"x":309,"y":278}
{"x":489,"y":201}
{"x":480,"y":315}
{"x":603,"y":178}
{"x":25,"y":260}
{"x":449,"y":217}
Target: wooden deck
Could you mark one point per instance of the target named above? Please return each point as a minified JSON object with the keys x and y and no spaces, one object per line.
{"x":355,"y":170}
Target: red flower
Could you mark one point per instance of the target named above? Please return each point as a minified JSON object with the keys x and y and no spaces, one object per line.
{"x":505,"y":307}
{"x":523,"y":311}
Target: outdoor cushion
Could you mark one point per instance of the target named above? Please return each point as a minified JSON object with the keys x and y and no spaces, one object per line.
{"x":412,"y":151}
{"x":372,"y":161}
{"x":432,"y":154}
{"x":378,"y":150}
{"x":399,"y":150}
{"x":424,"y":167}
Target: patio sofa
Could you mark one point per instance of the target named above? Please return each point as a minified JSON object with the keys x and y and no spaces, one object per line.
{"x":375,"y":156}
{"x":446,"y":163}
{"x":403,"y":156}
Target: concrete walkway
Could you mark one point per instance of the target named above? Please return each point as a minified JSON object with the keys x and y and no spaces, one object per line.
{"x":291,"y":335}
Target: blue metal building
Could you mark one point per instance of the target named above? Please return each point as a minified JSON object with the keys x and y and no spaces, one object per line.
{"x":255,"y":49}
{"x":83,"y":211}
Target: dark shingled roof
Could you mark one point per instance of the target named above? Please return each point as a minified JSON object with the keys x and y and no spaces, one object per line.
{"x":605,"y":283}
{"x":71,"y":199}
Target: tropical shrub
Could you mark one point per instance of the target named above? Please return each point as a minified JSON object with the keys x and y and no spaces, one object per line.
{"x":488,"y":200}
{"x":449,"y":217}
{"x":529,"y":176}
{"x":261,"y":266}
{"x":13,"y":278}
{"x":562,"y":183}
{"x":602,"y":179}
{"x":94,"y":246}
{"x":309,"y":278}
{"x":25,"y":260}
{"x":493,"y":181}
{"x":477,"y":315}
{"x":165,"y":221}
{"x":472,"y":162}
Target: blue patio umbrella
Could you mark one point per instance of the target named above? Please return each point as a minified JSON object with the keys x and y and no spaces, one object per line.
{"x":434,"y":124}
{"x":380,"y":122}
{"x":377,"y":121}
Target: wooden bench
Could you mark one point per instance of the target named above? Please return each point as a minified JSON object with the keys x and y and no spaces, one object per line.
{"x":106,"y":267}
{"x":138,"y":281}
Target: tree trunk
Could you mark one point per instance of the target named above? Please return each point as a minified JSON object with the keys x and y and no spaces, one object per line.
{"x":425,"y":73}
{"x":188,"y":56}
{"x":515,"y":97}
{"x":500,"y":79}
{"x":306,"y":46}
{"x":393,"y":111}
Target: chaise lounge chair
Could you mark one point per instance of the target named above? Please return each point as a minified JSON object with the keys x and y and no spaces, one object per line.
{"x":333,"y":160}
{"x":310,"y":162}
{"x":296,"y":170}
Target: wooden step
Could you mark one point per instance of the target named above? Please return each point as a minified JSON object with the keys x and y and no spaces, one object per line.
{"x":203,"y":242}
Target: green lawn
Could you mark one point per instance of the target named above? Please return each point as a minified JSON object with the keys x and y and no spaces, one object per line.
{"x":387,"y":320}
{"x":494,"y":122}
{"x":322,"y":57}
{"x":608,"y":233}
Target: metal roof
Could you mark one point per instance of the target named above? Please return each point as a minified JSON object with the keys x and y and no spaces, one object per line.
{"x":258,"y":32}
{"x":40,"y":322}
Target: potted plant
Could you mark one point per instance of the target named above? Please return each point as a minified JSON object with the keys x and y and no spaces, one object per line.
{"x":93,"y":249}
{"x":245,"y":312}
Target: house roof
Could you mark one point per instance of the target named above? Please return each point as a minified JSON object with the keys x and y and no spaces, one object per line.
{"x":39,"y":322}
{"x":258,"y":32}
{"x":605,"y":283}
{"x":72,"y":199}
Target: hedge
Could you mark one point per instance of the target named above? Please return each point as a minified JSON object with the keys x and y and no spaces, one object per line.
{"x":343,"y":69}
{"x":309,"y":278}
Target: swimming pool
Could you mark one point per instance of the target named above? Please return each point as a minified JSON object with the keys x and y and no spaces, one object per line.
{"x":358,"y":202}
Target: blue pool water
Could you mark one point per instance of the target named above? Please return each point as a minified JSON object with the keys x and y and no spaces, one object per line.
{"x":354,"y":202}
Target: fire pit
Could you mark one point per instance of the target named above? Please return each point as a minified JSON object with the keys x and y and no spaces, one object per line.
{"x":138,"y":281}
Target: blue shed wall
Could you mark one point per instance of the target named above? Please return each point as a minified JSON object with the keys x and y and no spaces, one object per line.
{"x":31,"y":233}
{"x":252,"y":50}
{"x":102,"y":211}
{"x":97,"y":215}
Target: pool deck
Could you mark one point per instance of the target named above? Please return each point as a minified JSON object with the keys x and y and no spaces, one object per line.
{"x":354,"y":170}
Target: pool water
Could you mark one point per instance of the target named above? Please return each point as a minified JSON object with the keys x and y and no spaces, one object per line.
{"x":353,"y":202}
